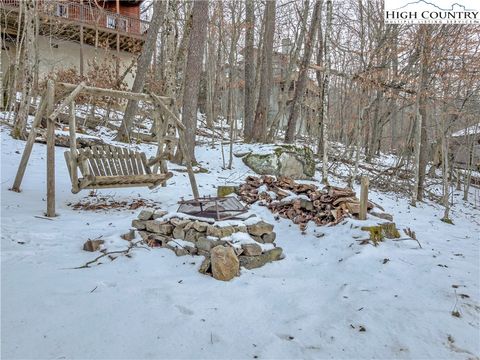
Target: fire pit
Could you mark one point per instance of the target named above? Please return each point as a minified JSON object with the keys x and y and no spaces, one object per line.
{"x":218,"y":208}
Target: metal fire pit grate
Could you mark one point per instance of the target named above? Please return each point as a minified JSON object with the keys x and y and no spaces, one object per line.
{"x":218,"y":208}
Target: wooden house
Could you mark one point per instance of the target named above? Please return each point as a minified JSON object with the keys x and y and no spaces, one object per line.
{"x":74,"y":31}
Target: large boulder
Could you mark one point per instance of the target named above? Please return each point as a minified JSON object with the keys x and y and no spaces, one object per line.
{"x":224,"y":262}
{"x":293,"y":161}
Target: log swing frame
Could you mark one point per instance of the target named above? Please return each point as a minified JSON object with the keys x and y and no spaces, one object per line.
{"x":122,"y":167}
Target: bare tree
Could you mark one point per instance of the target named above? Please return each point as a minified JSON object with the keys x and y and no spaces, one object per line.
{"x":249,"y":104}
{"x":192,"y":75}
{"x":261,"y":114}
{"x":142,"y":68}
{"x":302,"y":75}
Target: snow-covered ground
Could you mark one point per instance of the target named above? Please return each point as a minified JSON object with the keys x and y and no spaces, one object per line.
{"x":312,"y":304}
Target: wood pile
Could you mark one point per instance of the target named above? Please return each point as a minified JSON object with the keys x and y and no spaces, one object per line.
{"x":301,"y":203}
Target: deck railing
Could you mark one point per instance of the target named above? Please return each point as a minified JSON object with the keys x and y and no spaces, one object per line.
{"x":86,"y":14}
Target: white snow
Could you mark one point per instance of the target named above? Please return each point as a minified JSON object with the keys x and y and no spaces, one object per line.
{"x":471,"y":130}
{"x":156,"y":305}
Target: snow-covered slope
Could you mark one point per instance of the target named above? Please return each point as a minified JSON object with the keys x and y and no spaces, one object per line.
{"x":312,"y":304}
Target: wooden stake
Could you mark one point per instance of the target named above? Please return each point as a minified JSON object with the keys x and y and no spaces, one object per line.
{"x":28,"y":146}
{"x":73,"y":149}
{"x":362,"y":215}
{"x":50,"y":151}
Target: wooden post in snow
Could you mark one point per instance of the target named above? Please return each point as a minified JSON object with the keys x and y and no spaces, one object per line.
{"x":362,"y":215}
{"x":28,"y":146}
{"x":73,"y":148}
{"x":50,"y":150}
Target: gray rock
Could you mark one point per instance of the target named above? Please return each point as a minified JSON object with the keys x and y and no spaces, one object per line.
{"x":179,"y":222}
{"x":269,"y":238}
{"x":220,"y":232}
{"x":203,"y":253}
{"x":205,"y":244}
{"x":162,"y":228}
{"x":139,"y":224}
{"x":252,"y":262}
{"x":260,"y":228}
{"x":179,"y":233}
{"x":159,"y":213}
{"x":92,"y":245}
{"x":200,"y":226}
{"x":206,"y":266}
{"x":129,"y":236}
{"x":146,"y":214}
{"x":286,"y":160}
{"x":225,"y":264}
{"x":257,"y":238}
{"x":144,"y":235}
{"x":251,"y":250}
{"x":192,"y":235}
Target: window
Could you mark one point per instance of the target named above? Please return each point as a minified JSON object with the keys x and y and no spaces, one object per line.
{"x":122,"y":25}
{"x":111,"y":22}
{"x":62,"y":10}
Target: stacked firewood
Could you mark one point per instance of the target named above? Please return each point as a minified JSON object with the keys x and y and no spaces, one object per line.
{"x":301,"y":203}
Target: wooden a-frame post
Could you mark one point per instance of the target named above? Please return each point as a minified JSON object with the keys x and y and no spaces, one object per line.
{"x":50,"y":150}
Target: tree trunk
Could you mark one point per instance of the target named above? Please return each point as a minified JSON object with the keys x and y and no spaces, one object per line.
{"x":142,"y":68}
{"x":19,"y":130}
{"x":302,"y":75}
{"x":249,"y":98}
{"x":192,"y":75}
{"x":261,"y":114}
{"x":325,"y":94}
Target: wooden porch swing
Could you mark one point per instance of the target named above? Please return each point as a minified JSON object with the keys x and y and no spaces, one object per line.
{"x":103,"y":166}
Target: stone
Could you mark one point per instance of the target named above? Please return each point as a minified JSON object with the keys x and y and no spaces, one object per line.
{"x":224,"y":190}
{"x":251,"y":249}
{"x":144,"y":235}
{"x":129,"y":236}
{"x":260,"y":228}
{"x":200,"y":226}
{"x":381,"y":215}
{"x":240,"y":228}
{"x":179,"y":222}
{"x":139,"y":224}
{"x":92,"y":245}
{"x":203,"y":253}
{"x":192,"y":235}
{"x":252,"y":262}
{"x":157,"y":227}
{"x":159,"y":239}
{"x":205,"y":244}
{"x":220,"y":232}
{"x":269,"y":237}
{"x":159,"y":213}
{"x":187,"y":226}
{"x":180,"y":251}
{"x":206,"y":266}
{"x":257,"y":238}
{"x":179,"y":233}
{"x":146,"y":214}
{"x":293,"y":161}
{"x":225,"y":264}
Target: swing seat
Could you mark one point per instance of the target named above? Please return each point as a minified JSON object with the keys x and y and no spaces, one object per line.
{"x":105,"y":166}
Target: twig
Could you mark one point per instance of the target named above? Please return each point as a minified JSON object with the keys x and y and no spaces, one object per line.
{"x":126,"y":251}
